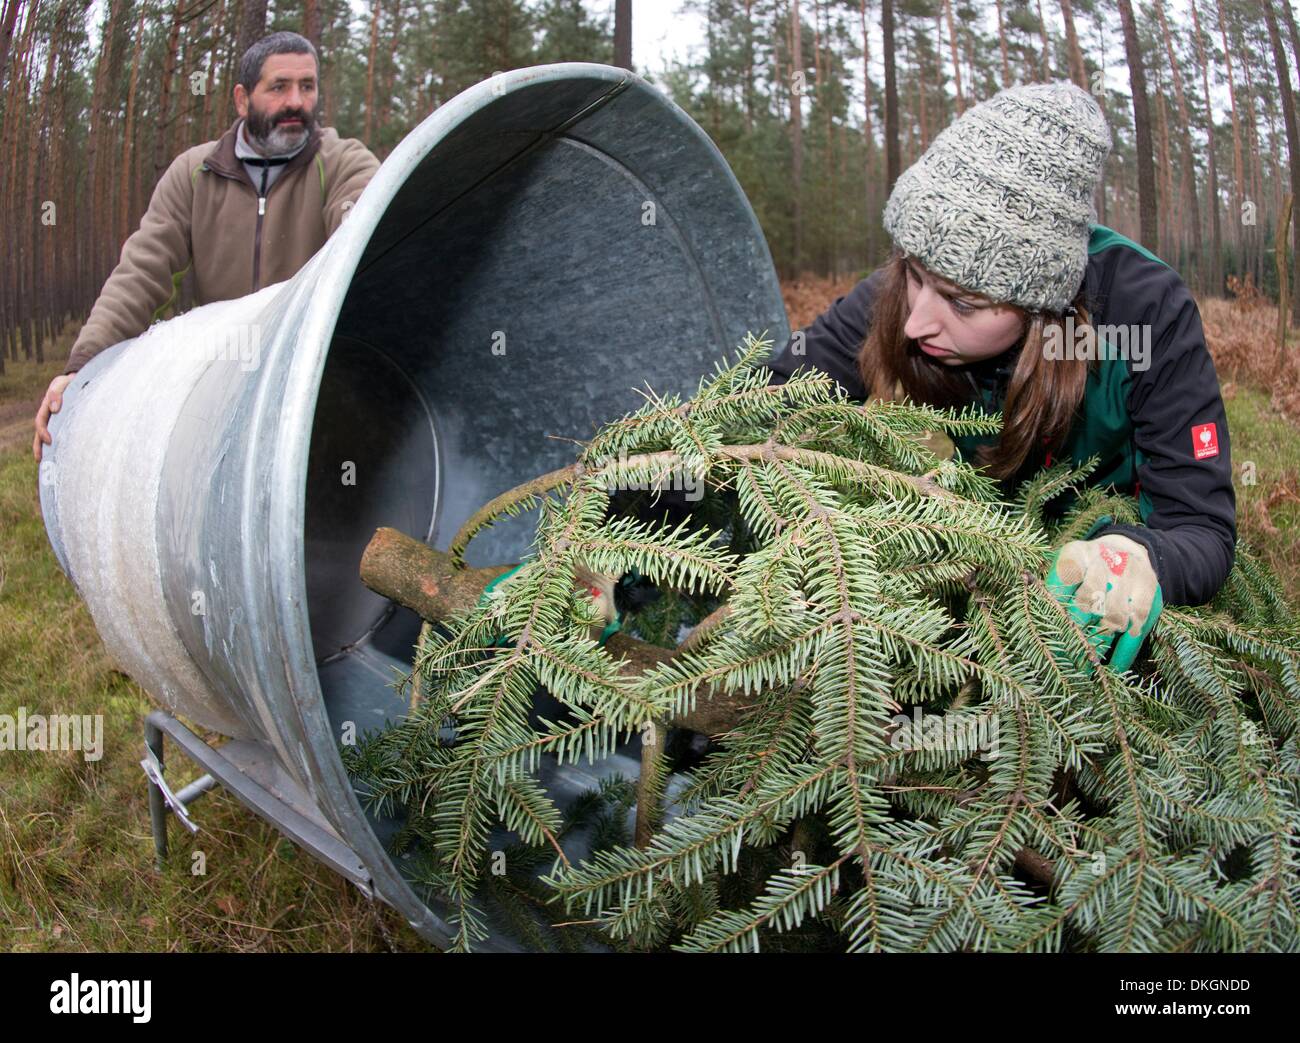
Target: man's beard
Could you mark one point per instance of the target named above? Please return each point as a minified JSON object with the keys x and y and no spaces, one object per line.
{"x":270,"y":137}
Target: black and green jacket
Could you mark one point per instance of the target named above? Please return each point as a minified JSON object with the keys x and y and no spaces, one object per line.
{"x":1160,"y":432}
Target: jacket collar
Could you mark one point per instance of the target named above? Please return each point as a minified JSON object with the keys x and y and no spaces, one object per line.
{"x":993,"y":371}
{"x":222,"y":159}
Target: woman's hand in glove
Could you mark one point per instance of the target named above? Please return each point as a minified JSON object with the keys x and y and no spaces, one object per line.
{"x":1110,"y":587}
{"x":600,"y":588}
{"x":597,"y":586}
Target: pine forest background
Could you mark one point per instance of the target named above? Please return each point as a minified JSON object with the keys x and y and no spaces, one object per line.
{"x":816,"y":104}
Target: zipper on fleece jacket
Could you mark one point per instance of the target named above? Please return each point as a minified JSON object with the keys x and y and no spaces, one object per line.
{"x":261,"y":212}
{"x":257,"y":236}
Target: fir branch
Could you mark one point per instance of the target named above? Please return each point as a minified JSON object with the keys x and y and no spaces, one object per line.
{"x":862,"y":575}
{"x":790,"y":896}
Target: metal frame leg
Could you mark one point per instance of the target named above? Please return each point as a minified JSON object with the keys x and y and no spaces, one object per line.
{"x":153,"y":740}
{"x":247,"y":771}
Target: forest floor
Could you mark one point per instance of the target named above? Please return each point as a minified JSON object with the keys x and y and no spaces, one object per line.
{"x":21,"y":389}
{"x":76,"y":854}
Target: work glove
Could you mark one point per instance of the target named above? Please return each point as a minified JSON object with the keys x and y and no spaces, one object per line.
{"x":595,"y":585}
{"x":599,"y":587}
{"x":1110,"y":588}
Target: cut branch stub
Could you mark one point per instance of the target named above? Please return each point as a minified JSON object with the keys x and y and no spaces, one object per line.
{"x":428,"y":582}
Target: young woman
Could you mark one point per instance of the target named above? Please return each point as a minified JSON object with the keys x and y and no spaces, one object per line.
{"x":1003,"y":291}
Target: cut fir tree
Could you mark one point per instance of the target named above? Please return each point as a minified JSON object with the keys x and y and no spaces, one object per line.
{"x":915,"y":745}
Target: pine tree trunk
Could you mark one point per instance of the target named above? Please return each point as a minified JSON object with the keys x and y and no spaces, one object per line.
{"x":825,"y":64}
{"x":252,"y":26}
{"x":869,"y":135}
{"x":1283,"y":280}
{"x":714,"y":60}
{"x":31,"y":214}
{"x":893,"y":165}
{"x":330,"y":72}
{"x":161,"y":153}
{"x":128,"y":135}
{"x":1185,"y":136}
{"x":1002,"y":44}
{"x":796,"y":129}
{"x":1047,"y":50}
{"x":820,"y":85}
{"x":58,"y":281}
{"x":922,"y":122}
{"x":749,"y":66}
{"x":1165,"y":191}
{"x":90,"y":281}
{"x":971,"y":78}
{"x":17,"y":115}
{"x":110,"y":176}
{"x":310,"y":22}
{"x":390,"y":81}
{"x":1238,"y":166}
{"x":210,"y":87}
{"x":1255,"y":152}
{"x":68,"y":260}
{"x":376,"y":10}
{"x":623,"y":33}
{"x":913,"y":135}
{"x":1216,"y":239}
{"x":1292,"y":33}
{"x":1077,"y":72}
{"x":1142,"y":130}
{"x":8,"y":19}
{"x":17,"y":91}
{"x":956,"y":62}
{"x":187,"y":124}
{"x":779,"y":78}
{"x":1102,"y":203}
{"x":226,"y":84}
{"x":1292,"y":138}
{"x":1274,"y":146}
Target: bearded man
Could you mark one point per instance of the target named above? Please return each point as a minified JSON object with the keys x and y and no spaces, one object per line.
{"x":237,"y":214}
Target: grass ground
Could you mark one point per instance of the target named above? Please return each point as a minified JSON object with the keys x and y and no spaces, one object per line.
{"x":1266,"y":459}
{"x":76,"y":855}
{"x":21,"y":389}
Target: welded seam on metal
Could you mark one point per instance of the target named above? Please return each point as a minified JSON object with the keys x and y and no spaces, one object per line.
{"x":364,"y":656}
{"x":543,"y":137}
{"x":645,"y":193}
{"x":352,"y":646}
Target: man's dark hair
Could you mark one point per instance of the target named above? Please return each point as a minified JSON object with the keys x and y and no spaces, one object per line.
{"x":250,"y":65}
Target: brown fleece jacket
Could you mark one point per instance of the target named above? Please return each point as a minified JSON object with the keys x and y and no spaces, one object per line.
{"x":204,"y":216}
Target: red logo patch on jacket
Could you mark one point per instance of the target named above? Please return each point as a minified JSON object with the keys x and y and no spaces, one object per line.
{"x":1205,"y":441}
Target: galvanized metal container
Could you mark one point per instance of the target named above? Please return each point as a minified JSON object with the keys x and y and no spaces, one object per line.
{"x":533,"y":250}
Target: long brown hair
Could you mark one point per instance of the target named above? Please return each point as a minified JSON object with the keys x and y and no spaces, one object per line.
{"x":1042,"y":396}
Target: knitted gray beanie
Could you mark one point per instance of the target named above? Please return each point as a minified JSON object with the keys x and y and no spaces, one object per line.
{"x":1001,"y":201}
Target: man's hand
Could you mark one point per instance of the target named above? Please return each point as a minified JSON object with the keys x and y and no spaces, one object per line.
{"x":51,"y":403}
